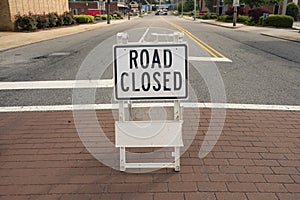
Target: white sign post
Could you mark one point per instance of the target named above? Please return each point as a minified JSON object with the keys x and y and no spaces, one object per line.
{"x":156,"y":71}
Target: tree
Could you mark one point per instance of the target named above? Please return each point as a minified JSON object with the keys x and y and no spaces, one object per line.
{"x":292,"y":10}
{"x":179,"y":6}
{"x":210,"y":5}
{"x":188,"y":5}
{"x":274,"y":2}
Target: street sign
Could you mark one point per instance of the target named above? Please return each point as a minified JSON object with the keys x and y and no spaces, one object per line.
{"x":236,"y":2}
{"x":150,"y":71}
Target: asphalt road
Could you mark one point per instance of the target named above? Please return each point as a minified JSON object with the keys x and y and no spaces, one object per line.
{"x":263,"y":70}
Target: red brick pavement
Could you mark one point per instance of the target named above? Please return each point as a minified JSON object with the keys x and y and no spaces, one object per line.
{"x":256,"y":157}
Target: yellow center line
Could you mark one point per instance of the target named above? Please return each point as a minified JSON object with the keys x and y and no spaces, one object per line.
{"x":205,"y":46}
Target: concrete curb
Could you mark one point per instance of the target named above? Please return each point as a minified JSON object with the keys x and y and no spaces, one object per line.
{"x":225,"y":25}
{"x":291,"y":36}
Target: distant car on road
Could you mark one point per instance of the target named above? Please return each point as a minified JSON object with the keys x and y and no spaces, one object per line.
{"x":161,"y":13}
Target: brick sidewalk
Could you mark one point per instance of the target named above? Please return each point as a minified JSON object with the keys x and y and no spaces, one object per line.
{"x":256,"y":157}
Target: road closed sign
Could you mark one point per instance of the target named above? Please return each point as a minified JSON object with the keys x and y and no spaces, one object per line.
{"x":150,"y":71}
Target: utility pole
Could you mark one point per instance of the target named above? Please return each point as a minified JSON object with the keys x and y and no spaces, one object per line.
{"x":234,"y":15}
{"x":108,"y":11}
{"x":236,"y":3}
{"x":181,"y":8}
{"x":195,"y":10}
{"x":140,"y":8}
{"x":129,"y":10}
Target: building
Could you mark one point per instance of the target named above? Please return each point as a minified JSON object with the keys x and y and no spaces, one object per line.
{"x":117,"y":6}
{"x":10,"y":8}
{"x":87,"y":7}
{"x":95,"y":7}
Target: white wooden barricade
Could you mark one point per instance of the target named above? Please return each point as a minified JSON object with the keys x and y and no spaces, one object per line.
{"x":165,"y":133}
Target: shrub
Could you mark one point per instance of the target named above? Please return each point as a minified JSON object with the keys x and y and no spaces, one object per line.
{"x":243,"y":19}
{"x":292,"y":10}
{"x":188,"y":13}
{"x":42,"y":21}
{"x":98,"y":17}
{"x":104,"y":17}
{"x":260,"y":21}
{"x":256,"y":13}
{"x":210,"y":16}
{"x":282,"y":21}
{"x":26,"y":22}
{"x":84,"y":18}
{"x":225,"y":18}
{"x":52,"y":17}
{"x":68,"y":18}
{"x":60,"y":21}
{"x":33,"y":22}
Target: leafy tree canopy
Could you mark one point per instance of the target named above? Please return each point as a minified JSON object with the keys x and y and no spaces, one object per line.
{"x":209,"y":4}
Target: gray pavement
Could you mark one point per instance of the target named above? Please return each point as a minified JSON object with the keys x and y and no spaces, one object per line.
{"x":264,"y":70}
{"x":16,"y":39}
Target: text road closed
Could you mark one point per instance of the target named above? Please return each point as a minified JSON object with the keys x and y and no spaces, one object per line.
{"x":150,"y":71}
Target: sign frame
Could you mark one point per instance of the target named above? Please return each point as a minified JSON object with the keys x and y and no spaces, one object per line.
{"x":236,"y":3}
{"x":158,"y":45}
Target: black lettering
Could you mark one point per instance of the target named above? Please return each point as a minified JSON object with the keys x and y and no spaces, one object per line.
{"x":158,"y":87}
{"x":132,"y":57}
{"x":177,"y":82}
{"x":156,"y":59}
{"x":166,"y":80}
{"x":146,"y":53}
{"x":133,"y":83}
{"x":122,"y":82}
{"x":169,"y":64}
{"x":146,"y":84}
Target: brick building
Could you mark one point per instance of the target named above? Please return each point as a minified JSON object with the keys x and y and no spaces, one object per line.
{"x":86,"y":7}
{"x":9,"y":8}
{"x":117,"y":6}
{"x":82,"y":7}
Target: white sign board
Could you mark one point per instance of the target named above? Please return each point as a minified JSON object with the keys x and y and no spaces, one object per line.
{"x":158,"y":71}
{"x":236,"y":2}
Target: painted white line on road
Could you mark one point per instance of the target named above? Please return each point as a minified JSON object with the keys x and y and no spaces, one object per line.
{"x":209,"y":59}
{"x":29,"y":85}
{"x":51,"y":108}
{"x":158,"y":104}
{"x":242,"y":106}
{"x":144,"y":35}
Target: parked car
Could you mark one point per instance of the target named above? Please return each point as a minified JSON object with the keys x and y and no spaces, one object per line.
{"x":161,"y":13}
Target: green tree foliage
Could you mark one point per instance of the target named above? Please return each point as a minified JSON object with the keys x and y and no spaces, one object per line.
{"x":188,"y":5}
{"x":179,"y":6}
{"x":292,"y":10}
{"x":209,"y":4}
{"x":274,"y":2}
